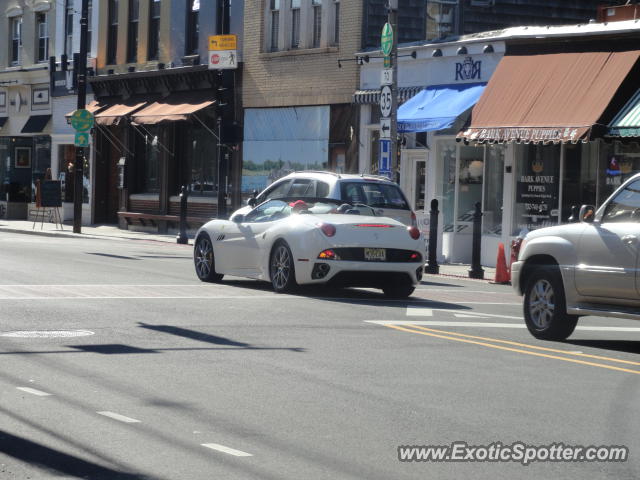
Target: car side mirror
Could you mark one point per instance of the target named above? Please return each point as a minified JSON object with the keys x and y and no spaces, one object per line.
{"x":239,"y":218}
{"x":587,"y":213}
{"x":251,"y":202}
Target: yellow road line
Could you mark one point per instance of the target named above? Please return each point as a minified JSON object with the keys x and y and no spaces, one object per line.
{"x":516,"y":350}
{"x":586,"y":355}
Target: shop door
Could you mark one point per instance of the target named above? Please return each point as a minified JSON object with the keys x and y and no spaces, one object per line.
{"x":413,"y":178}
{"x":107,"y":195}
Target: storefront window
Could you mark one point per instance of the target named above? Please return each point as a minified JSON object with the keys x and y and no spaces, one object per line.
{"x":375,"y":151}
{"x":5,"y":166}
{"x":537,"y":187}
{"x":580,"y":176}
{"x":150,"y":178}
{"x":446,"y":154}
{"x":493,"y":188}
{"x":202,"y":147}
{"x":41,"y":162}
{"x":470,"y":176}
{"x":617,"y":163}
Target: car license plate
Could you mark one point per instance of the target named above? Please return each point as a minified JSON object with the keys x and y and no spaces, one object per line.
{"x":375,"y":254}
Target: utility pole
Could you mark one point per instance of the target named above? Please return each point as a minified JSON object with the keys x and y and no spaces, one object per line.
{"x":78,"y":174}
{"x":395,"y":150}
{"x":388,"y":161}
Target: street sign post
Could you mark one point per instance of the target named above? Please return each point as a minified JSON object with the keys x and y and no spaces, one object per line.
{"x":223,"y":53}
{"x":81,"y":139}
{"x":384,"y":163}
{"x":386,"y":101}
{"x":386,"y":78}
{"x":386,"y":39}
{"x":81,"y":120}
{"x":385,"y":128}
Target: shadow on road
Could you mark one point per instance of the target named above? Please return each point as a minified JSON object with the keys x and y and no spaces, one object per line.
{"x":51,"y":460}
{"x":627,"y":346}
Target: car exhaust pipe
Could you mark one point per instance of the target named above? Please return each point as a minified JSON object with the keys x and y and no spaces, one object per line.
{"x":320,"y":270}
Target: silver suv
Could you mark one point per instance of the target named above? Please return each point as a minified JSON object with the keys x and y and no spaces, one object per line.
{"x":586,"y":268}
{"x":379,"y":193}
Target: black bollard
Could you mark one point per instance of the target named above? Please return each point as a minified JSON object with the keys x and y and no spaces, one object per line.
{"x":476,"y":269}
{"x":182,"y":236}
{"x":432,"y":265}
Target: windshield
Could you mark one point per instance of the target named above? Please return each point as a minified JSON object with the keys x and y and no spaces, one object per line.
{"x":276,"y":209}
{"x":373,"y":194}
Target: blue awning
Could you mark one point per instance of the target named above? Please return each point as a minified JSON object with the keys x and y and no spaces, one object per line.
{"x":437,"y":107}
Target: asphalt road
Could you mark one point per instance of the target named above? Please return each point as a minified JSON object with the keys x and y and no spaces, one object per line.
{"x":118,"y":363}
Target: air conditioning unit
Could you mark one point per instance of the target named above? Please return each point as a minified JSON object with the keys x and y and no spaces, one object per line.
{"x":483,"y":3}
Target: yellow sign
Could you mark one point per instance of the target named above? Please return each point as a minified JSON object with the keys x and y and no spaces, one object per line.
{"x":222,"y":42}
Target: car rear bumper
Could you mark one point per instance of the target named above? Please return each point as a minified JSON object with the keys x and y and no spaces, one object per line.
{"x":363,"y":274}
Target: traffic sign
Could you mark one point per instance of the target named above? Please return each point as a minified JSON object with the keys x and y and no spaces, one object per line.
{"x":385,"y":100}
{"x":386,"y":78}
{"x":223,"y":42}
{"x":384,"y":163}
{"x":223,"y":59}
{"x":81,"y":120}
{"x":386,"y":39}
{"x":82,"y":139}
{"x":385,"y":127}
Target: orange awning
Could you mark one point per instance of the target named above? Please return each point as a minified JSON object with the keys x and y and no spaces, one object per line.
{"x":555,"y":97}
{"x":176,"y":107}
{"x":114,"y":114}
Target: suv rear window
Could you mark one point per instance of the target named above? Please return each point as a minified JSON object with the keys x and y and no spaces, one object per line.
{"x":378,"y":195}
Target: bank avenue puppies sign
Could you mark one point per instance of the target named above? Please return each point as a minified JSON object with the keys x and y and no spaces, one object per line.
{"x":537,"y":190}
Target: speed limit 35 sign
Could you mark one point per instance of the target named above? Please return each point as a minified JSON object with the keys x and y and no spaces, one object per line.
{"x":385,"y":101}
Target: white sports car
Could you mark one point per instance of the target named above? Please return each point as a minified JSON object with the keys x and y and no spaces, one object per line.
{"x":291,"y":242}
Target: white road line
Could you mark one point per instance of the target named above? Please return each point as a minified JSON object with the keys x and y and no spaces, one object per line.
{"x":33,"y":391}
{"x":464,"y":315}
{"x":419,"y":312}
{"x":223,"y":449}
{"x":117,"y":416}
{"x":436,"y":323}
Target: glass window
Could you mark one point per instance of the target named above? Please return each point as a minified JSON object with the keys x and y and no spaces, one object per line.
{"x":301,"y":188}
{"x":322,"y":189}
{"x":493,"y":189}
{"x":42,"y":29}
{"x":471,"y":178}
{"x":378,"y":195}
{"x":295,"y":23}
{"x":446,"y":156}
{"x":202,"y":148}
{"x":112,"y":36}
{"x":537,"y":173}
{"x":193,"y":28}
{"x":68,"y":29}
{"x":154,"y":30}
{"x":625,"y":206}
{"x":336,"y":25}
{"x":317,"y":23}
{"x":278,"y":189}
{"x":132,"y":32}
{"x":441,"y":18}
{"x":269,"y":211}
{"x":89,"y":25}
{"x":580,"y":177}
{"x":275,"y":25}
{"x":16,"y":40}
{"x":617,"y":163}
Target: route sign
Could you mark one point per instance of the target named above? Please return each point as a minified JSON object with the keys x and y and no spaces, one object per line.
{"x":386,"y":39}
{"x":385,"y":100}
{"x":384,"y":163}
{"x":386,"y":77}
{"x":385,"y":127}
{"x":223,"y":59}
{"x":81,"y":120}
{"x":223,"y":42}
{"x":82,"y":139}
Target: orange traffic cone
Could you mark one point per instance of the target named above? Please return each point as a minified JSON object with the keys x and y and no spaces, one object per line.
{"x":502,"y":272}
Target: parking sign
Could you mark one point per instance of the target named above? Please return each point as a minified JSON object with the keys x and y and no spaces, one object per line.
{"x":384,"y":164}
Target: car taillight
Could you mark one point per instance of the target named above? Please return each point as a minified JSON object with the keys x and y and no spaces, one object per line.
{"x":328,"y":229}
{"x":328,"y":255}
{"x":414,"y":256}
{"x":414,"y":220}
{"x":413,"y":232}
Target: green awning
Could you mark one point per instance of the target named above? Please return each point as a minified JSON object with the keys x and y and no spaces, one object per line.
{"x":627,"y":122}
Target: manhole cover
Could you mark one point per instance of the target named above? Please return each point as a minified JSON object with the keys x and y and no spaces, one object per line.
{"x":47,"y":333}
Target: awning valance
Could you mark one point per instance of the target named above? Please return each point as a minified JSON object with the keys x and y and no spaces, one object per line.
{"x":36,"y":124}
{"x":115,"y":113}
{"x":546,"y":98}
{"x":176,"y":107}
{"x":372,"y":96}
{"x":627,"y":122}
{"x":437,"y":107}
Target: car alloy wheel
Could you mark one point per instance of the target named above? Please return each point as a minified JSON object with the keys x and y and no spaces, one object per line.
{"x":282,"y":273}
{"x":542,"y":304}
{"x":204,"y":261}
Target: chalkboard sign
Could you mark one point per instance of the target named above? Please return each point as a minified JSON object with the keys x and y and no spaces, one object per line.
{"x":51,"y":193}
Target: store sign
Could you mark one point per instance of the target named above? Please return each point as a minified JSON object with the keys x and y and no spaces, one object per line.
{"x":538,"y":192}
{"x":503,"y":134}
{"x":469,"y":70}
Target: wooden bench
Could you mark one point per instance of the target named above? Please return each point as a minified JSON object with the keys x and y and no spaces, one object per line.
{"x":152,"y":219}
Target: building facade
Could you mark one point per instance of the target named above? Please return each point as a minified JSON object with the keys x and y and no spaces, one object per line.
{"x":163,"y":118}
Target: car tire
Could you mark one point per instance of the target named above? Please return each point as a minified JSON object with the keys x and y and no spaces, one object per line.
{"x":545,"y":309}
{"x":204,"y":260}
{"x":402,"y":290}
{"x":281,"y":268}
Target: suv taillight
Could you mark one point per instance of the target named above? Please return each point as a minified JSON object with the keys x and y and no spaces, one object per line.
{"x":414,"y":220}
{"x":414,"y":232}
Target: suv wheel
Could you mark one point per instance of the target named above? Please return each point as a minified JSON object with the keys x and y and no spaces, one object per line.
{"x":545,"y":309}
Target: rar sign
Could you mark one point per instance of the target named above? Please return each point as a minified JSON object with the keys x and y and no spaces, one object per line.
{"x":81,"y":120}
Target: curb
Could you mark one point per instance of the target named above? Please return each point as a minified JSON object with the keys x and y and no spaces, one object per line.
{"x":70,"y":234}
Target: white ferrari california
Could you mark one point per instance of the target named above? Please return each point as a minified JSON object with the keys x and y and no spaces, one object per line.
{"x":292,"y":242}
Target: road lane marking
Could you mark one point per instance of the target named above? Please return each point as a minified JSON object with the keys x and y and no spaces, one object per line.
{"x":33,"y":391}
{"x":223,"y":449}
{"x":428,"y":312}
{"x":445,"y":336}
{"x":444,"y":323}
{"x":419,"y":312}
{"x":117,"y":416}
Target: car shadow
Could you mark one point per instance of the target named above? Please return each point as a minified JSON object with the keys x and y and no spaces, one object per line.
{"x":627,"y":346}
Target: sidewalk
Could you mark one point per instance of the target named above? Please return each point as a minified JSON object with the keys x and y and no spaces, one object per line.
{"x":113,"y":232}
